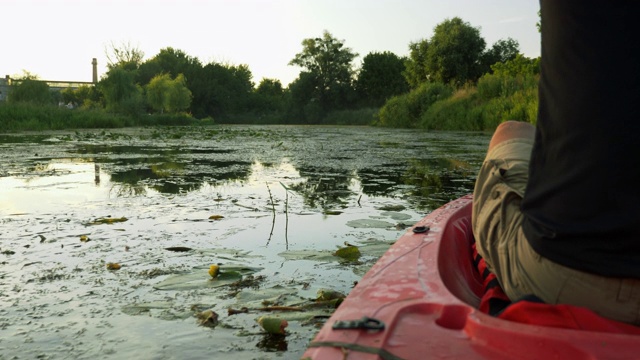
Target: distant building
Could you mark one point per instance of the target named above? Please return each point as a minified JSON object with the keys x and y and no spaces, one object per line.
{"x":54,"y":85}
{"x":5,"y":85}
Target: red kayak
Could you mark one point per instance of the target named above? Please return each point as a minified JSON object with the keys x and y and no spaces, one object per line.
{"x":421,"y":299}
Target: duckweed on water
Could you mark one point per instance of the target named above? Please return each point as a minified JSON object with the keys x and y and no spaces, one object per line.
{"x":274,"y":245}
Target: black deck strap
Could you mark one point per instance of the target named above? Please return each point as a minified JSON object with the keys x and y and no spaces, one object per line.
{"x":384,"y":354}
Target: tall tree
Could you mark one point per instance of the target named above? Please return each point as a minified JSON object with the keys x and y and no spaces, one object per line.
{"x":329,"y":62}
{"x":415,"y":72}
{"x":269,"y":95}
{"x":125,"y":56}
{"x":220,"y":90}
{"x":169,"y":61}
{"x":501,"y":52}
{"x":380,"y":78}
{"x":164,"y":93}
{"x":454,"y":52}
{"x":121,"y":93}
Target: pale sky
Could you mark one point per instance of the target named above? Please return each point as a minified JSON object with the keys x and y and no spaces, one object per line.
{"x":57,"y":39}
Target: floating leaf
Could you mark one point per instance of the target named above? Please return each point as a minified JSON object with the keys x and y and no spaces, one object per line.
{"x":370,"y":223}
{"x":113,"y":266}
{"x":216,"y":217}
{"x":328,"y":294}
{"x":350,"y":253}
{"x":84,"y":238}
{"x":195,"y":279}
{"x":208,"y":318}
{"x":391,"y":207}
{"x":314,"y":255}
{"x":396,"y":215}
{"x":140,"y":308}
{"x":273,"y":325}
{"x":108,"y":220}
{"x":332,"y":212}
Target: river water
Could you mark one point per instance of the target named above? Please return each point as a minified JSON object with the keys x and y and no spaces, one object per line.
{"x":270,"y":205}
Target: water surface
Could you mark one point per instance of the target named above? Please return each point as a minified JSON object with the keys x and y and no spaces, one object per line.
{"x":270,"y":204}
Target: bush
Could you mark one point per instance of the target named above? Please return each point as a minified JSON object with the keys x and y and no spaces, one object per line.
{"x":406,"y":110}
{"x":491,"y":86}
{"x":458,"y":112}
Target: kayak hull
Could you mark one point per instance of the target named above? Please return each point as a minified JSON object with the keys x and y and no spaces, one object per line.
{"x":425,"y":291}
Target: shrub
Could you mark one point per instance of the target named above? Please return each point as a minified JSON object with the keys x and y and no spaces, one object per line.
{"x":406,"y":110}
{"x":458,"y":112}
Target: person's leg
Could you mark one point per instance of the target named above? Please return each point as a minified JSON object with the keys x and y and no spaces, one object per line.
{"x":497,"y":227}
{"x":499,"y":189}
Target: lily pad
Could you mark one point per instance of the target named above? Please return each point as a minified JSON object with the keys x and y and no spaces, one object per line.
{"x":391,"y":207}
{"x":396,"y":215}
{"x":370,"y":224}
{"x":314,"y":255}
{"x":108,"y":220}
{"x":349,"y":253}
{"x":140,"y":308}
{"x":199,"y":278}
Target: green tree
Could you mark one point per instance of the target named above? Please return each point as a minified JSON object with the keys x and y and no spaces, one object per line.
{"x":380,"y":78}
{"x":328,"y":61}
{"x":415,"y":72}
{"x":169,"y":61}
{"x":178,"y":96}
{"x":454,"y":51}
{"x":164,"y":93}
{"x":156,"y":91}
{"x":269,"y":96}
{"x":220,"y":90}
{"x":304,"y":105}
{"x":501,"y":52}
{"x":30,"y":89}
{"x":121,"y":93}
{"x":85,"y":96}
{"x":124,"y":56}
{"x":519,"y":65}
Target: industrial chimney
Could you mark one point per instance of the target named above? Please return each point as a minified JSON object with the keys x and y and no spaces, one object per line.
{"x":95,"y":70}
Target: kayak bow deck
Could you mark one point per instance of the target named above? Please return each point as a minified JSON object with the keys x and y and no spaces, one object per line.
{"x":420,"y":301}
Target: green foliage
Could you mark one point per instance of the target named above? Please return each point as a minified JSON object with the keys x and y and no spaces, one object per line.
{"x":85,"y":96}
{"x":30,"y":116}
{"x":458,"y":112}
{"x":124,"y":56}
{"x":169,"y":61}
{"x":30,"y":90}
{"x":380,"y":78}
{"x":406,"y":110}
{"x":328,"y":62}
{"x":519,"y":65}
{"x":269,"y":97}
{"x":164,"y":93}
{"x":303,"y":104}
{"x":516,"y":98}
{"x":396,"y":113}
{"x":502,"y":51}
{"x":454,"y":52}
{"x":415,"y":72}
{"x":221,"y":90}
{"x":121,"y":93}
{"x":362,"y":116}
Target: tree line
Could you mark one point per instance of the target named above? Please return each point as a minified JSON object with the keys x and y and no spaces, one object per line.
{"x":453,"y":61}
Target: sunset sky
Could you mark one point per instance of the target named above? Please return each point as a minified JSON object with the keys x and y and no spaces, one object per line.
{"x":57,"y":39}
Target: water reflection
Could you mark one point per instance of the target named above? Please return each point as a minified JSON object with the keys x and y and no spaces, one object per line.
{"x":286,"y":198}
